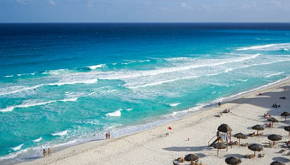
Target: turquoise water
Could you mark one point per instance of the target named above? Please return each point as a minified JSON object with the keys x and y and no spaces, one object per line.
{"x":65,"y":84}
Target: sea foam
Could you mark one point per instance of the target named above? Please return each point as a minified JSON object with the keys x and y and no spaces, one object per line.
{"x":37,"y":140}
{"x":94,"y":67}
{"x":17,"y":148}
{"x":268,"y":47}
{"x":62,"y":133}
{"x":174,"y":104}
{"x":32,"y":104}
{"x":115,"y":114}
{"x":274,"y":74}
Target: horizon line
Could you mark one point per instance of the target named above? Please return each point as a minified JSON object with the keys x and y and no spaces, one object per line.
{"x":144,"y":22}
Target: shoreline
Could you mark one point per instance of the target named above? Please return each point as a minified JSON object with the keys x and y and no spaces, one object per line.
{"x":163,"y":121}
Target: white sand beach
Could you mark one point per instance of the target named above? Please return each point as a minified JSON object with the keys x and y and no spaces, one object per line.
{"x":190,"y":135}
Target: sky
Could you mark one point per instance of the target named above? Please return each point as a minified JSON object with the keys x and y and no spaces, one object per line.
{"x":21,"y":11}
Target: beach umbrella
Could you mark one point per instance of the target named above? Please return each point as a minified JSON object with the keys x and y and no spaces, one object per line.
{"x":256,"y":148}
{"x":219,"y":146}
{"x":277,"y":163}
{"x":240,"y":136}
{"x":191,"y":157}
{"x":258,"y":128}
{"x":285,"y":114}
{"x":287,"y":128}
{"x":274,"y":138}
{"x":233,"y":160}
{"x":224,"y":128}
{"x":272,"y":120}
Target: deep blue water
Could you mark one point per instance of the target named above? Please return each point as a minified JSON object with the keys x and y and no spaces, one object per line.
{"x":65,"y":83}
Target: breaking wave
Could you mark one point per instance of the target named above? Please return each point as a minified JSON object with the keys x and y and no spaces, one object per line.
{"x":268,"y":47}
{"x":32,"y":104}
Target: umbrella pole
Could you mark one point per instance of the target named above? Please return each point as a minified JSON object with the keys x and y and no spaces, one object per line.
{"x":272,"y":125}
{"x":239,"y":141}
{"x":254,"y":153}
{"x":217,"y":152}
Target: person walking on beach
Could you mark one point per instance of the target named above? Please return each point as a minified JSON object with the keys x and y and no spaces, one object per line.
{"x":108,"y":135}
{"x":43,"y":152}
{"x":48,"y":151}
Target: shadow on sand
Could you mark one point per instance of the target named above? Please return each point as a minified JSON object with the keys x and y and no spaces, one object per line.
{"x":187,"y":149}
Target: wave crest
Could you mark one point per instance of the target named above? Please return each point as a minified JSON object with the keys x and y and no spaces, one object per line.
{"x":114,"y":114}
{"x":268,"y":47}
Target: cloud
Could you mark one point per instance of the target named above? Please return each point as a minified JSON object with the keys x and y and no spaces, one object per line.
{"x":52,"y":2}
{"x":23,"y":2}
{"x":185,"y":5}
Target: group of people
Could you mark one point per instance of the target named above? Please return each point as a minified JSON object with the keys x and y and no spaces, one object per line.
{"x":46,"y":152}
{"x":276,"y":105}
{"x":267,"y":116}
{"x":108,"y":135}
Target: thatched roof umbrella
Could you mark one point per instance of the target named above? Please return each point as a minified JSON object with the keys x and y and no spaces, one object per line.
{"x":273,"y":120}
{"x":277,"y":163}
{"x":233,"y":160}
{"x":191,"y":157}
{"x":285,"y":114}
{"x":258,"y":128}
{"x":224,"y":128}
{"x":240,"y":136}
{"x":220,"y":146}
{"x":274,"y":138}
{"x":287,"y":128}
{"x":256,"y":148}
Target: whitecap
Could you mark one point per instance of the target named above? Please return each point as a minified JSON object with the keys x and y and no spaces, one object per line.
{"x":267,"y":47}
{"x":33,"y":103}
{"x":17,"y":148}
{"x":94,"y":67}
{"x":136,"y":74}
{"x":274,"y":74}
{"x":174,"y":104}
{"x":8,"y":76}
{"x":62,"y":133}
{"x":60,"y":83}
{"x":37,"y":140}
{"x":228,"y":70}
{"x":17,"y":89}
{"x":57,"y":72}
{"x":115,"y":114}
{"x":159,"y":82}
{"x":242,"y":80}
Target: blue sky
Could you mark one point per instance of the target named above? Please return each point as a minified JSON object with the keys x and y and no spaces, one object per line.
{"x":144,"y":10}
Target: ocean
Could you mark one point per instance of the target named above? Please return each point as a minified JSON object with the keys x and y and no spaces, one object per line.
{"x":65,"y":84}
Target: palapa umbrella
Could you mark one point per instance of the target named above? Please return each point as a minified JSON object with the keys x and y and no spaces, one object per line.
{"x":191,"y":157}
{"x":224,"y":128}
{"x":256,"y":148}
{"x":258,"y":128}
{"x":219,"y":146}
{"x":287,"y":128}
{"x":277,"y":163}
{"x":285,"y":114}
{"x":273,"y":120}
{"x":274,"y":138}
{"x":240,"y":136}
{"x":233,"y":160}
